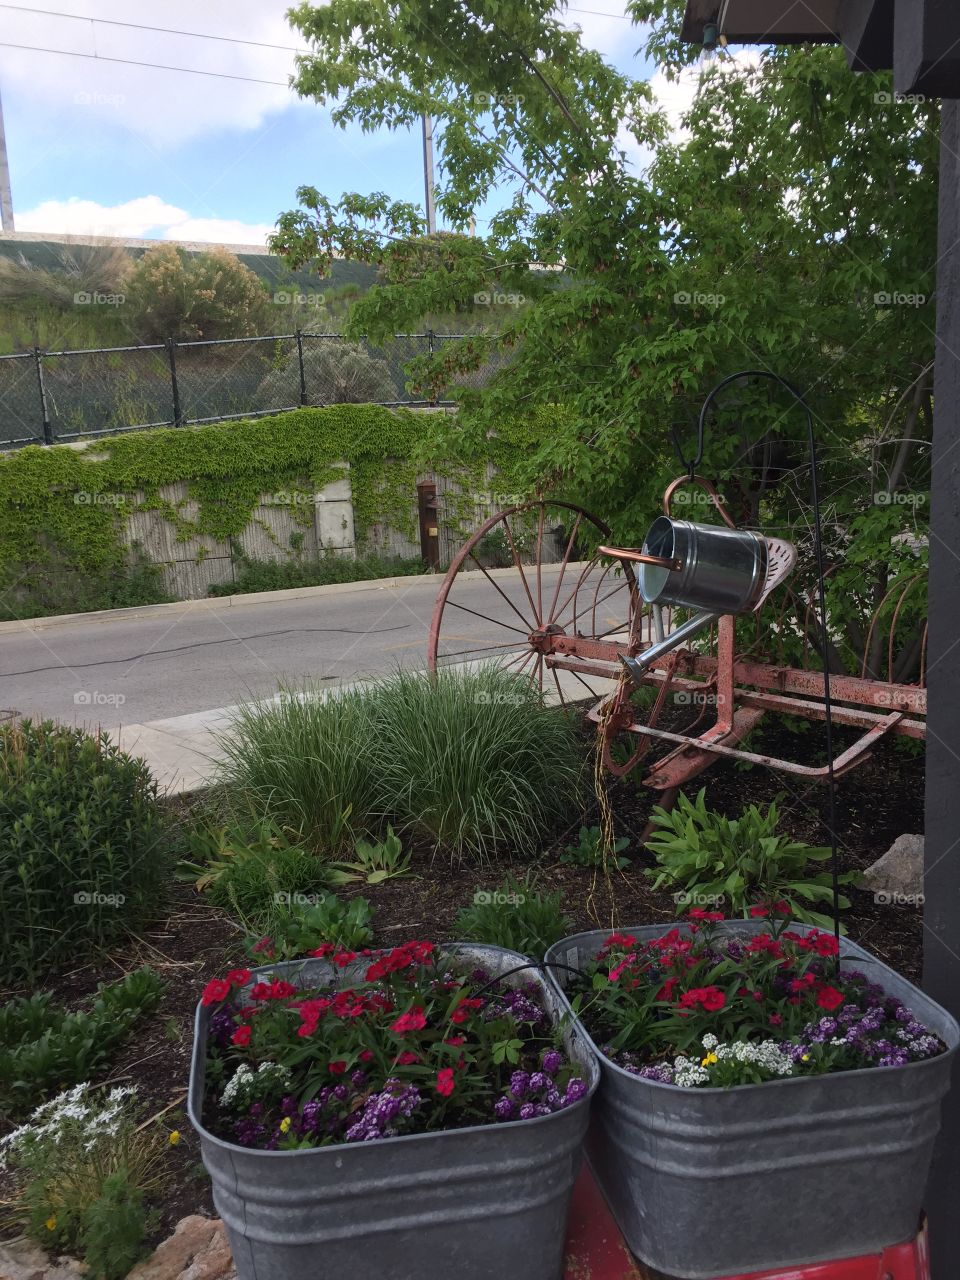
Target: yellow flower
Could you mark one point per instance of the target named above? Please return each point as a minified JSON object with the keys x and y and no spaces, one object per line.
{"x":709,"y":1060}
{"x":51,"y":1223}
{"x":174,"y":1137}
{"x":284,"y":1124}
{"x":804,"y":1057}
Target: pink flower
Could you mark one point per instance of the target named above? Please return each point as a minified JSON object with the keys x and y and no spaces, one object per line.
{"x":412,"y":1020}
{"x":337,"y":1068}
{"x":445,"y":1084}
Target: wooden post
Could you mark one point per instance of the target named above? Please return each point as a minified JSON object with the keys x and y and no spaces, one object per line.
{"x":941,"y":910}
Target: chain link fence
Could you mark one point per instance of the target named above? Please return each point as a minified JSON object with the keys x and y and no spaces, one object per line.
{"x":50,"y":396}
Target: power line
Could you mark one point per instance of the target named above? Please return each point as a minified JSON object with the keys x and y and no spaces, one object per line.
{"x":130,"y":62}
{"x":139,"y":26}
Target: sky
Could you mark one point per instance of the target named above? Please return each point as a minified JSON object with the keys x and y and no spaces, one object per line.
{"x":101,"y":147}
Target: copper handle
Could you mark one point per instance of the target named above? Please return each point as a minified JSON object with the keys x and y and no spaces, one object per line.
{"x":640,"y":557}
{"x":707,"y":487}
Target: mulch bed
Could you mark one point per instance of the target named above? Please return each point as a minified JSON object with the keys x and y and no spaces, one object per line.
{"x":878,"y":802}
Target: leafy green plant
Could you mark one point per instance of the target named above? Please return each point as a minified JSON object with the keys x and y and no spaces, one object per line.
{"x":472,"y":761}
{"x":83,"y":1169}
{"x":42,"y":1045}
{"x":515,"y":915}
{"x":373,"y":863}
{"x":171,"y":293}
{"x":274,"y":575}
{"x":742,"y":862}
{"x":300,"y":928}
{"x":250,"y":866}
{"x":589,"y":850}
{"x":84,"y":849}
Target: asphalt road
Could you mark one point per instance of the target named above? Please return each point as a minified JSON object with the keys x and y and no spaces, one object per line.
{"x":123,"y":670}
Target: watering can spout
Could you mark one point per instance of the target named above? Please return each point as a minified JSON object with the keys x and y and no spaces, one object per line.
{"x":639,"y":666}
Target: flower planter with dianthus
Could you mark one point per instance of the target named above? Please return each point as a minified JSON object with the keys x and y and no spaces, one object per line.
{"x":787,"y":1137}
{"x":442,"y":1139}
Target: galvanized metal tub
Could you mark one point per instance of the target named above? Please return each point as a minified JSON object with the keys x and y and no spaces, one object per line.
{"x":468,"y":1204}
{"x":711,"y":1182}
{"x":723,"y":569}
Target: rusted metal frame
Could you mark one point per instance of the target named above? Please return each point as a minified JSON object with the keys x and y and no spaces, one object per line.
{"x":726,"y":652}
{"x":523,"y":577}
{"x":540,"y":524}
{"x":563,"y":567}
{"x":847,"y":760}
{"x":876,"y":617}
{"x":905,"y":697}
{"x":686,"y":762}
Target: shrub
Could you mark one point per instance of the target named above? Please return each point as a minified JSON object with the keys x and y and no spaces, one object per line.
{"x":251,"y":866}
{"x":297,"y":928}
{"x":78,"y":268}
{"x":346,"y":373}
{"x":741,"y":862}
{"x":307,"y":760}
{"x":206,"y":295}
{"x":516,"y":916}
{"x":274,"y":575}
{"x":51,"y":583}
{"x":83,"y":847}
{"x":42,"y":1045}
{"x":82,"y":1170}
{"x":472,"y":760}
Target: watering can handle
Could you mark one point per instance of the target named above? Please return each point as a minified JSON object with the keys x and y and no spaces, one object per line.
{"x":707,"y":487}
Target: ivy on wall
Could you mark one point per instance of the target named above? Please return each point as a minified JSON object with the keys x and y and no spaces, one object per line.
{"x":72,"y":503}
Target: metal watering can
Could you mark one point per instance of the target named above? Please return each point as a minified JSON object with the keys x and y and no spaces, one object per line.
{"x":714,"y":569}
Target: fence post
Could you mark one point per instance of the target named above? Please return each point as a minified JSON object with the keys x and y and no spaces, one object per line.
{"x":303,"y":377}
{"x":44,"y":413}
{"x":172,"y":357}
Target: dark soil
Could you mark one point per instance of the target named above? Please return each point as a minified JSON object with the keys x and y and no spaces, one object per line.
{"x":876,"y":803}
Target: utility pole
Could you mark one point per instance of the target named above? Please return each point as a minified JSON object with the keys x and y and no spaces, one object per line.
{"x":6,"y":196}
{"x":428,"y":174}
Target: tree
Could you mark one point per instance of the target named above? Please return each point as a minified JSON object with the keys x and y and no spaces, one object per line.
{"x":791,"y":227}
{"x":205,"y":295}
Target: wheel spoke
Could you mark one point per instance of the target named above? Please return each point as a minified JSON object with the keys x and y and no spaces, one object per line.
{"x":487,"y":648}
{"x":496,"y":587}
{"x":516,"y":561}
{"x":496,"y":621}
{"x":563,"y":566}
{"x":596,"y":605}
{"x":540,"y":523}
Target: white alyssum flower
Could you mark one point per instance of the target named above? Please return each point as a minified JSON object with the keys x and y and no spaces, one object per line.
{"x":245,"y":1085}
{"x":766,"y":1055}
{"x":73,"y":1114}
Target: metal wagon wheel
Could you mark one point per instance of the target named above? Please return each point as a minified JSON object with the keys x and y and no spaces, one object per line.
{"x":483,"y":614}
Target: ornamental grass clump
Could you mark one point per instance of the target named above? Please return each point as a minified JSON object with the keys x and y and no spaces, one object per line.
{"x":389,"y":1043}
{"x":699,"y":1007}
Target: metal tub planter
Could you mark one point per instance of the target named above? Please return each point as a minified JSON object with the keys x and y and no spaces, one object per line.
{"x":467,"y":1203}
{"x":709,"y":1181}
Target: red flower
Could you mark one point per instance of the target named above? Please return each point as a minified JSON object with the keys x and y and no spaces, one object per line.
{"x":619,"y":940}
{"x":829,"y":997}
{"x":412,"y":1020}
{"x":776,"y":1020}
{"x":263,"y":947}
{"x":802,"y":984}
{"x":239,"y":976}
{"x":455,"y":1040}
{"x":825,"y":944}
{"x":764,"y":943}
{"x":462,"y":1011}
{"x":407,"y":1059}
{"x":365,"y":1056}
{"x":216,"y":990}
{"x":278,"y":990}
{"x":710,"y":999}
{"x":241,"y":1036}
{"x":445,"y":1083}
{"x":666,"y":991}
{"x":322,"y":951}
{"x":343,"y":958}
{"x":337,"y":1068}
{"x":758,"y":911}
{"x":697,"y":913}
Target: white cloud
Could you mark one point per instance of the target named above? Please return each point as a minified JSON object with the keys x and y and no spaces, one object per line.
{"x":145,"y":217}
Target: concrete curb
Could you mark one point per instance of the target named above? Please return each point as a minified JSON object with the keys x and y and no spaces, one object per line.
{"x":215,"y":603}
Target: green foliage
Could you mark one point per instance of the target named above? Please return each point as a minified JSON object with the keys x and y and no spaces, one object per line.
{"x":57,"y":523}
{"x":250,"y":865}
{"x":173,"y":294}
{"x":373,"y":863}
{"x":589,"y":850}
{"x":83,"y":1172}
{"x":301,"y":927}
{"x":515,"y":915}
{"x":43,"y":1046}
{"x":820,"y":228}
{"x":469,"y":760}
{"x":272,"y":575}
{"x":114,"y":1228}
{"x":50,"y":585}
{"x":83,"y":845}
{"x":707,"y":859}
